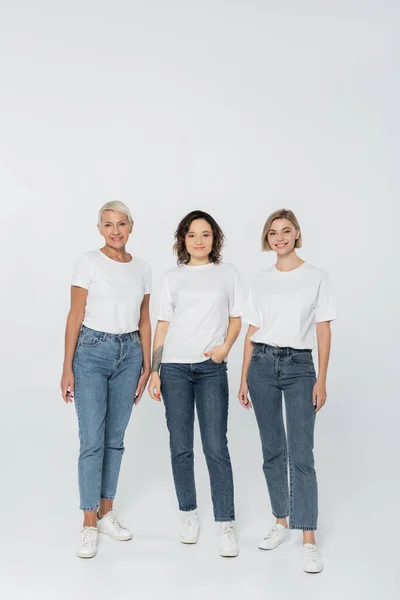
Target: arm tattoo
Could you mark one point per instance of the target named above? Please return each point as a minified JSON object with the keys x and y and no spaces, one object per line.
{"x":157,"y":355}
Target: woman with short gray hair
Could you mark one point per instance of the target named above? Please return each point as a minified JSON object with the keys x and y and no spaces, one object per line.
{"x":106,"y":366}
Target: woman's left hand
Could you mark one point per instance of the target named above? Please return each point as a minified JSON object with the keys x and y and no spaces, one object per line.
{"x":319,"y":394}
{"x":218,"y":353}
{"x":141,"y":386}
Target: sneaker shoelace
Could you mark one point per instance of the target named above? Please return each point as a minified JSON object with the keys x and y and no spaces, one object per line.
{"x":274,"y":533}
{"x":112,"y":517}
{"x":227,"y":531}
{"x":88,"y":537}
{"x":311,"y":555}
{"x":190,"y":521}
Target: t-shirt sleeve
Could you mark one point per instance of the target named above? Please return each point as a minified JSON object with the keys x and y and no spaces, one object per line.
{"x":326,"y":310}
{"x":81,"y":276}
{"x":236,"y":296}
{"x":165,"y":306}
{"x":147,"y":280}
{"x":251,"y":311}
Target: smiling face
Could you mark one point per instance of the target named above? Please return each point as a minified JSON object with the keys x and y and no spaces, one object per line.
{"x":199,"y":239}
{"x":282,"y":236}
{"x":115,"y":228}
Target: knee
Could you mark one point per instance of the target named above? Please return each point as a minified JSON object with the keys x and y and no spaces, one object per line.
{"x":114,"y":440}
{"x":91,"y":441}
{"x":180,"y":445}
{"x":179,"y":454}
{"x":216,"y":451}
{"x":114,"y":445}
{"x":303,"y":461}
{"x":270,"y":455}
{"x":91,"y":448}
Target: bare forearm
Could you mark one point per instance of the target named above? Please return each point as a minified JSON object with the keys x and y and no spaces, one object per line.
{"x":247,"y":352}
{"x":145,"y":338}
{"x":235,"y":325}
{"x":73,"y":326}
{"x":324,"y":347}
{"x":159,"y":339}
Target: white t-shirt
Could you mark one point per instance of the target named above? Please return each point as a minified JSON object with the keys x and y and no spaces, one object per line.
{"x":198,"y":302}
{"x":115,"y":291}
{"x":287,"y":305}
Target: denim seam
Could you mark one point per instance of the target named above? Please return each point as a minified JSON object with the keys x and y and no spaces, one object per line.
{"x":291,"y":526}
{"x":291,"y":487}
{"x":285,"y":460}
{"x":76,"y":377}
{"x":100,"y":470}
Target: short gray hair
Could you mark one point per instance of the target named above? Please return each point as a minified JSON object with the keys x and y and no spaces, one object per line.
{"x":118,"y":207}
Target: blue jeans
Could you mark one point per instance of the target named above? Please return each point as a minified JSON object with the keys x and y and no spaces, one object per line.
{"x":206,"y":385}
{"x":273,"y":371}
{"x":106,"y":368}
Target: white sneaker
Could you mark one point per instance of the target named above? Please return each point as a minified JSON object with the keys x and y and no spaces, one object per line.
{"x":190,"y":527}
{"x":112,"y":526}
{"x":228,"y":545}
{"x":312,"y":559}
{"x":88,"y":545}
{"x":277,"y":535}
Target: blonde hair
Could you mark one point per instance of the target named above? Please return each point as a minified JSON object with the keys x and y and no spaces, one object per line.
{"x":282,"y":213}
{"x":117,"y":206}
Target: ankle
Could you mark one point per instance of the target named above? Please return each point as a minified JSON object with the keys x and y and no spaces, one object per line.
{"x":282,"y":522}
{"x":105,"y":507}
{"x":309,"y":539}
{"x":102,"y":512}
{"x":87,"y":523}
{"x":90,"y":518}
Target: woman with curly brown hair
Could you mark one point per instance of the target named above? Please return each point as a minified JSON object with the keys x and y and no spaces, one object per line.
{"x":199,"y":320}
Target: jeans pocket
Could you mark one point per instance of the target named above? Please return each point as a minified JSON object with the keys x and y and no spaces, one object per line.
{"x":301,"y":358}
{"x":135,"y":337}
{"x":256,"y":354}
{"x":214,"y":362}
{"x":90,"y":340}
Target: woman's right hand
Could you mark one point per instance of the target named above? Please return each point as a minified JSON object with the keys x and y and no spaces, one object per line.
{"x":154,"y":387}
{"x":67,"y":385}
{"x":243,"y":395}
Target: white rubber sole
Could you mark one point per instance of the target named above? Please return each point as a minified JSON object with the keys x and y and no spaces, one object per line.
{"x":278,"y":544}
{"x":313,"y":572}
{"x":86,"y":555}
{"x":115,"y":537}
{"x":185,"y":540}
{"x":229,"y":553}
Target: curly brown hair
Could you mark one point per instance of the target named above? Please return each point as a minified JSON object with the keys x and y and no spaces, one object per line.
{"x":183,"y":228}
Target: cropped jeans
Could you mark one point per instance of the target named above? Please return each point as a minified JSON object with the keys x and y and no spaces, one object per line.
{"x":204,"y":385}
{"x":106,"y":368}
{"x":274,"y":371}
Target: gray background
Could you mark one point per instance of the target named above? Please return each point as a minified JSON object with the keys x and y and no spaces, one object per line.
{"x":237,"y":108}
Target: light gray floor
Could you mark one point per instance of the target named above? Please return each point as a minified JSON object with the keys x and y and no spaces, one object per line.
{"x":40,"y":521}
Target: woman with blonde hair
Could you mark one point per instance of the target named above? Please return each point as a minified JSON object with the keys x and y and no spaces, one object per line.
{"x":106,"y":366}
{"x":289,"y":310}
